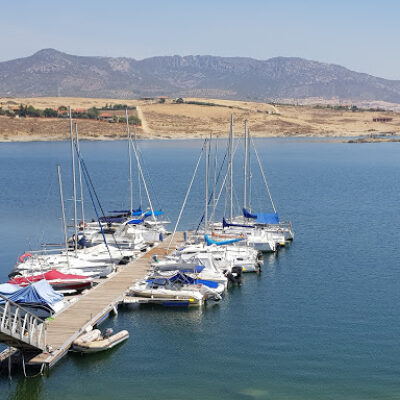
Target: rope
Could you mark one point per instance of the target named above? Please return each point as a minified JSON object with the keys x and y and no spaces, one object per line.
{"x":211,"y":199}
{"x":89,"y":182}
{"x":187,"y":195}
{"x":144,"y":181}
{"x":24,"y":369}
{"x":262,"y":172}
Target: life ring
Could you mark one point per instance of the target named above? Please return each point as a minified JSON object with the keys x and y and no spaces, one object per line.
{"x":24,"y":257}
{"x":82,"y":224}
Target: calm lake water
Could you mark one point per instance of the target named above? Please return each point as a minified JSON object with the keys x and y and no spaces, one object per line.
{"x":321,"y":321}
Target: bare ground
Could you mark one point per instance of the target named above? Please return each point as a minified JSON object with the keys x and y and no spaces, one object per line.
{"x":170,"y":120}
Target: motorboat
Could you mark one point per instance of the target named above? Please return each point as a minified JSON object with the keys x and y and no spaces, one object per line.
{"x":57,"y":280}
{"x":95,"y":261}
{"x":179,"y":289}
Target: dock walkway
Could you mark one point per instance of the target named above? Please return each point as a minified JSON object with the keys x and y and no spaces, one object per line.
{"x":96,"y":304}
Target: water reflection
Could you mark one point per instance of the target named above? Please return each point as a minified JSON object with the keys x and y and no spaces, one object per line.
{"x":27,"y":388}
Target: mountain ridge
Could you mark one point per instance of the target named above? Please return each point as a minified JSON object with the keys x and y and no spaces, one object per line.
{"x":50,"y":72}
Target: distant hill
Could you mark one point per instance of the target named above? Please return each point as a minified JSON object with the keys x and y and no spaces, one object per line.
{"x":53,"y":73}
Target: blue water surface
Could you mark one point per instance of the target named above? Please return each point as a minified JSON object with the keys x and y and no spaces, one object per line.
{"x":320,"y":322}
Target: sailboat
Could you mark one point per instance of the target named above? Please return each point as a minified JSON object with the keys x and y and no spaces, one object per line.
{"x":264,"y":232}
{"x":133,"y":228}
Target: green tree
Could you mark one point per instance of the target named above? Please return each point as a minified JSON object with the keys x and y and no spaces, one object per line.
{"x":92,"y":113}
{"x":50,"y":113}
{"x":133,"y":120}
{"x":22,"y":111}
{"x":33,"y":112}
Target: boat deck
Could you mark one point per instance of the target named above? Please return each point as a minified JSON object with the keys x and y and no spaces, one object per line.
{"x":96,"y":304}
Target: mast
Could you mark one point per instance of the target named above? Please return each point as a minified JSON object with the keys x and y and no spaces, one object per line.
{"x":130,"y":163}
{"x":64,"y":224}
{"x":231,"y":170}
{"x":73,"y":181}
{"x":80,"y":174}
{"x":245,"y":167}
{"x":137,"y":165}
{"x":215,"y":172}
{"x":249,"y":169}
{"x":207,"y":161}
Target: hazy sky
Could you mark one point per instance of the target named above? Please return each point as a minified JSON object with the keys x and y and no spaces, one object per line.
{"x":360,"y":35}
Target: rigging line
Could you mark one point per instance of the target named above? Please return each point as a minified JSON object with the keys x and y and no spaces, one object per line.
{"x":87,"y":178}
{"x":262,"y":172}
{"x":187,"y":194}
{"x":90,"y":184}
{"x":212,"y":194}
{"x":82,"y":162}
{"x":226,"y":187}
{"x":130,"y":164}
{"x":138,"y":174}
{"x":148,"y":178}
{"x":47,"y":201}
{"x":95,"y":210}
{"x":144,"y":181}
{"x":223,"y":186}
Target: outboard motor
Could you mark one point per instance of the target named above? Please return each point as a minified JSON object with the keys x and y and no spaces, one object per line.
{"x":235,"y":276}
{"x":107,"y":333}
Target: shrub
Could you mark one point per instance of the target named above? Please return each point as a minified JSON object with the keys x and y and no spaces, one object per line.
{"x":50,"y":113}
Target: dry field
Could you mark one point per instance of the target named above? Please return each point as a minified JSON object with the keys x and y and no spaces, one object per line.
{"x":170,"y":120}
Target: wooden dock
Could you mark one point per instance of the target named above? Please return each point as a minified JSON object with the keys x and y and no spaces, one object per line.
{"x":96,"y":304}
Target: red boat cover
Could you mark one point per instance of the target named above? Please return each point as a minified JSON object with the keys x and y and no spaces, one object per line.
{"x":49,"y":276}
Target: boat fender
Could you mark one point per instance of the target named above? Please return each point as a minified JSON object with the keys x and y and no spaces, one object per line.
{"x":24,"y":257}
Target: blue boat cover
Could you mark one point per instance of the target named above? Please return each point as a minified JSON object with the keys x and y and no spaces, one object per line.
{"x":149,"y":213}
{"x":209,"y":241}
{"x":227,"y":224}
{"x":180,"y":277}
{"x":246,"y":214}
{"x":7,"y":288}
{"x":210,"y":284}
{"x":135,"y":221}
{"x":262,"y":218}
{"x":267,"y":218}
{"x":39,"y":292}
